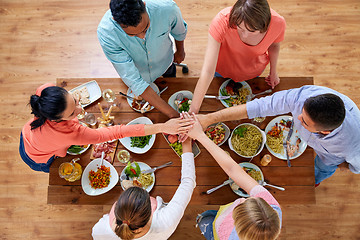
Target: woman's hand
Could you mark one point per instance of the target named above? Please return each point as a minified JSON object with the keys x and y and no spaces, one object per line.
{"x":196,"y":131}
{"x":272,"y":80}
{"x":177,"y":126}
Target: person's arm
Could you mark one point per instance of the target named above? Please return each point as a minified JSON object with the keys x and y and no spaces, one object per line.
{"x":179,"y":55}
{"x":206,"y":75}
{"x":273,"y":78}
{"x":230,"y":167}
{"x":155,"y":100}
{"x":172,"y":126}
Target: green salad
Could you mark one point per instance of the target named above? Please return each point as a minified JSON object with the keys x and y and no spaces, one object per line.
{"x":140,"y":142}
{"x":132,"y":171}
{"x":76,"y":148}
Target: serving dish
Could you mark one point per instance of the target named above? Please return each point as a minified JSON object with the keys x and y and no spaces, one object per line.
{"x":226,"y":128}
{"x":223,"y":87}
{"x":93,"y":89}
{"x":195,"y":148}
{"x":94,"y":165}
{"x":185,"y":93}
{"x":294,"y":137}
{"x":126,"y":142}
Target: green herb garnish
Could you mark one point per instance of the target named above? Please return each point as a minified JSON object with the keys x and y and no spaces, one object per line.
{"x":240,"y":131}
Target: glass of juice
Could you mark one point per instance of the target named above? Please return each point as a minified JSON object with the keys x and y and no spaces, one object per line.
{"x":123,"y":156}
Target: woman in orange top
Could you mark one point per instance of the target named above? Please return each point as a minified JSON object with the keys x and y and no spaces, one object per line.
{"x":242,"y":40}
{"x":55,"y":128}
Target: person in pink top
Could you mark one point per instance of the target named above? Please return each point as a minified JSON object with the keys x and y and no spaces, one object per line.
{"x":255,"y":218}
{"x":55,"y":128}
{"x":242,"y":41}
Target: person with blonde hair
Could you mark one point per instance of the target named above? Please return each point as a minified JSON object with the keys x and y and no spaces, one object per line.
{"x":242,"y":41}
{"x":136,"y":215}
{"x":255,"y":218}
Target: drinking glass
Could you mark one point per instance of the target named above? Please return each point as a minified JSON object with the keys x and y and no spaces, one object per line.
{"x":123,"y":156}
{"x":70,"y":171}
{"x":82,"y":114}
{"x":109,"y":97}
{"x":258,"y":120}
{"x":90,"y":119}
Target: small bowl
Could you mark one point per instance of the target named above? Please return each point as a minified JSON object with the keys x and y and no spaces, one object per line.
{"x":185,"y":93}
{"x":227,"y":132}
{"x":261,"y":146}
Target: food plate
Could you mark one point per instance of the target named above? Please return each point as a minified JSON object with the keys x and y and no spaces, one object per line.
{"x":126,"y":142}
{"x":295,"y":135}
{"x":93,"y":89}
{"x":143,"y":167}
{"x":93,"y":165}
{"x":227,"y":132}
{"x":195,"y":148}
{"x":246,"y":165}
{"x":131,"y":94}
{"x":186,"y":94}
{"x":223,"y":86}
{"x":262,"y":143}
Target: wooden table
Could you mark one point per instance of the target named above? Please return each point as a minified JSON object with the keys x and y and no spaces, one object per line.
{"x":298,"y":180}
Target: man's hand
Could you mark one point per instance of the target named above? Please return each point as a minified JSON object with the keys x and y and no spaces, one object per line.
{"x":179,"y":56}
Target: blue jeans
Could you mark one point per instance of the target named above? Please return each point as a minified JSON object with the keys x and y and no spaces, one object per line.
{"x":41,"y":167}
{"x":205,"y":223}
{"x":322,"y":171}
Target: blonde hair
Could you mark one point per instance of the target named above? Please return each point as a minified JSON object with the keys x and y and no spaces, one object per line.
{"x":255,"y":219}
{"x":132,"y":211}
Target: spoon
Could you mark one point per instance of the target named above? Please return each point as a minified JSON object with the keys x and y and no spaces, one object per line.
{"x":250,"y":97}
{"x":263,"y":183}
{"x":102,"y":158}
{"x":179,"y":97}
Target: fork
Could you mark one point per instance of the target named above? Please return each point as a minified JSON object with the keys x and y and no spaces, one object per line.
{"x":220,"y":97}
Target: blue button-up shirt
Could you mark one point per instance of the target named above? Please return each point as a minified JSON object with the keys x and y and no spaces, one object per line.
{"x":342,"y":144}
{"x":141,"y":61}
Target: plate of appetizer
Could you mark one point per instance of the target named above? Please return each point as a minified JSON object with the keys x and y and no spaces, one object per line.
{"x":181,"y":100}
{"x":98,"y":179}
{"x":218,"y":133}
{"x":131,"y":176}
{"x":87,"y":93}
{"x":277,"y":131}
{"x":77,"y":149}
{"x":142,"y":144}
{"x":138,"y":101}
{"x":247,"y":140}
{"x":108,"y":148}
{"x":239,"y":92}
{"x":177,"y":146}
{"x":253,"y":171}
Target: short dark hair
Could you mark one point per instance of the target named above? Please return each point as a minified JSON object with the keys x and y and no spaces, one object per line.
{"x":48,"y":106}
{"x":255,"y":14}
{"x":127,"y":12}
{"x":326,"y":110}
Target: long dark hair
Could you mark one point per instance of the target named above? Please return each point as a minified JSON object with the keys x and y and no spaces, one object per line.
{"x":48,"y":106}
{"x":132,"y":211}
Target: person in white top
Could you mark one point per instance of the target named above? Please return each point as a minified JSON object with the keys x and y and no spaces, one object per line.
{"x":136,"y":215}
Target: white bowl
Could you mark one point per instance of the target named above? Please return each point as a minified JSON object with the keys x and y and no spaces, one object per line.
{"x":224,"y":84}
{"x":227,"y":132}
{"x":262,"y":144}
{"x":93,"y":165}
{"x":186,"y":93}
{"x":143,"y":167}
{"x":131,"y":94}
{"x":126,"y":142}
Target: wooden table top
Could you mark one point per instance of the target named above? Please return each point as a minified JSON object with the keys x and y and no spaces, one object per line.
{"x":298,"y":180}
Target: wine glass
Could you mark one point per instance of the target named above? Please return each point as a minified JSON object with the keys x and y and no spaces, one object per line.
{"x":109,"y":97}
{"x":82,"y":114}
{"x":90,"y":119}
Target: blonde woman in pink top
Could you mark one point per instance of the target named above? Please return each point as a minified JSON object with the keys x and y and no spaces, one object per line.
{"x":55,"y":128}
{"x":242,"y":41}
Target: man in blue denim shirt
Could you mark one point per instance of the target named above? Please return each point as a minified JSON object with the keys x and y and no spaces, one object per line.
{"x":327,"y":120}
{"x":135,"y":37}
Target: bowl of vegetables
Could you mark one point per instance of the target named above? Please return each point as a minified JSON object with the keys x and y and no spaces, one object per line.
{"x":181,"y":100}
{"x":142,"y":144}
{"x":131,"y":176}
{"x":218,"y":133}
{"x":77,"y":149}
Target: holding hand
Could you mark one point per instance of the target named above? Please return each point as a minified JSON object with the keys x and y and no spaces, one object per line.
{"x":177,"y":126}
{"x":197,"y":129}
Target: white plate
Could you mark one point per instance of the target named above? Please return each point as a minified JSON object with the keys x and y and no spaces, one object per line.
{"x":293,"y":138}
{"x":131,"y":94}
{"x":262,"y":144}
{"x":93,"y":165}
{"x":143,"y":167}
{"x":84,"y":149}
{"x":93,"y":89}
{"x":186,"y":93}
{"x":224,"y":84}
{"x":227,"y":132}
{"x":248,"y":165}
{"x":126,"y":142}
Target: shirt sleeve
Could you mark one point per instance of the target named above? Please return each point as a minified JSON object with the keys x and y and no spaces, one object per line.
{"x":122,"y":62}
{"x":178,"y":25}
{"x":219,"y":26}
{"x":85,"y":135}
{"x":170,"y":216}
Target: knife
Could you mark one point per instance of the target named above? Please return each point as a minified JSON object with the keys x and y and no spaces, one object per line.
{"x":286,"y":143}
{"x":156,"y":168}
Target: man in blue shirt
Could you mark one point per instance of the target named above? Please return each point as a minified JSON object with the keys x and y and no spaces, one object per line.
{"x":135,"y":37}
{"x":327,"y":120}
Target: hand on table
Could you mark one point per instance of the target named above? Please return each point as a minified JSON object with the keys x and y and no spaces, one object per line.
{"x":272,"y":80}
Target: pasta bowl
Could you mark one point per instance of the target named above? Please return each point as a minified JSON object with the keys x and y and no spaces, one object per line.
{"x":247,"y":140}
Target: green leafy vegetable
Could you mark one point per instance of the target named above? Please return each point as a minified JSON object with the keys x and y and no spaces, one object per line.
{"x":140,"y":142}
{"x":75,"y":149}
{"x":129,"y":170}
{"x":240,"y":131}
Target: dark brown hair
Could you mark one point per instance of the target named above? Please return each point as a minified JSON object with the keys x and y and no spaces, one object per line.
{"x":255,"y":14}
{"x":255,"y":219}
{"x":132,"y":211}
